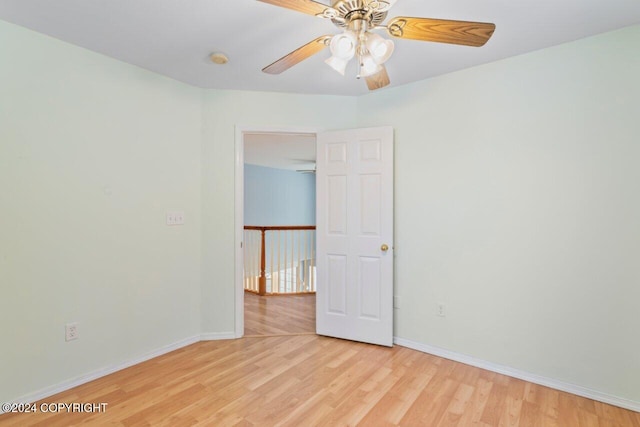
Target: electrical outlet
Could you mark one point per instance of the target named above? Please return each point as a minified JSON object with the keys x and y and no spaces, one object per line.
{"x":70,"y":331}
{"x":441,"y":310}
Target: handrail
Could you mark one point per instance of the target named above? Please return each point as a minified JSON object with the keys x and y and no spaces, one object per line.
{"x":262,"y":278}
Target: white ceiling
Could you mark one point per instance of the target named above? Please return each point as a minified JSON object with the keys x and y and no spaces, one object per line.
{"x":289,"y":151}
{"x":175,"y":37}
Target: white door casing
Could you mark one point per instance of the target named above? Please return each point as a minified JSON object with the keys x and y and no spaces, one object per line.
{"x":354,"y":227}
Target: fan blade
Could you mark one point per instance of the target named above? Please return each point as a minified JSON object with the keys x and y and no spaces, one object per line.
{"x":298,"y":55}
{"x":305,"y":6}
{"x":378,"y":80}
{"x":441,"y":30}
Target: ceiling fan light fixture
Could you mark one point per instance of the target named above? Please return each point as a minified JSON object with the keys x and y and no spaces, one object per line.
{"x":379,"y":48}
{"x":359,"y":18}
{"x":343,"y":46}
{"x":337,"y":63}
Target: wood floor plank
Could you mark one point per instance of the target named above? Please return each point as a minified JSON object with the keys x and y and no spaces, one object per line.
{"x":473,"y":413}
{"x":413,"y":377}
{"x":495,"y":405}
{"x":457,"y":405}
{"x":430,"y":403}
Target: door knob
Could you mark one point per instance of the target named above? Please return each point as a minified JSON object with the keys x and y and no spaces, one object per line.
{"x":384,"y":247}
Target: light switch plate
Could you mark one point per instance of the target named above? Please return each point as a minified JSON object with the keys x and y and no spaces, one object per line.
{"x":175,"y":218}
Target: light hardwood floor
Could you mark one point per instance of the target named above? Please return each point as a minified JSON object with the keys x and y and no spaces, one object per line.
{"x":279,"y":314}
{"x":308,"y":380}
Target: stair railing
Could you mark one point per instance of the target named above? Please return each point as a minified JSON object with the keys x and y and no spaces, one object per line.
{"x":279,"y":259}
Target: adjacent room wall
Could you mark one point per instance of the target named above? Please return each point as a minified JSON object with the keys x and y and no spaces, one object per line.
{"x":518,"y":207}
{"x":278,"y":197}
{"x":93,"y":152}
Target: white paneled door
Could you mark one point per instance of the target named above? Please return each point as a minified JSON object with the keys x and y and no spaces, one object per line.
{"x":354,"y":188}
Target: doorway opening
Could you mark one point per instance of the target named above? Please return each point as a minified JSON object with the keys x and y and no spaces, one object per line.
{"x":275,"y":225}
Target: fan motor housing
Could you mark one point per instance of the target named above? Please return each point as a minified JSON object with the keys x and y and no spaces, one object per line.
{"x":355,"y":8}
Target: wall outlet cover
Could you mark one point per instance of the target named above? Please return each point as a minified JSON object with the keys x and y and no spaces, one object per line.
{"x":71,"y":331}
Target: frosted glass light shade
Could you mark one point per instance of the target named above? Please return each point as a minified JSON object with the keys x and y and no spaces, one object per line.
{"x":369,"y":66}
{"x":337,"y":64}
{"x":343,"y":46}
{"x":379,"y":48}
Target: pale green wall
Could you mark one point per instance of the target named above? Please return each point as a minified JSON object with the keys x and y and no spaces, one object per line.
{"x":93,"y":152}
{"x":223,"y":111}
{"x":518,"y":206}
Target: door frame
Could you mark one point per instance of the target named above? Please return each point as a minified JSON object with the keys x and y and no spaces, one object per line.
{"x":239,"y":209}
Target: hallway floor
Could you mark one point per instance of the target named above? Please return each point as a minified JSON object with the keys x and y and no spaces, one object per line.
{"x":279,"y":314}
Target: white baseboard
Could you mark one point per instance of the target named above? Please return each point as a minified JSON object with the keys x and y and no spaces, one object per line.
{"x":66,"y":385}
{"x":214,"y":336}
{"x":516,"y":373}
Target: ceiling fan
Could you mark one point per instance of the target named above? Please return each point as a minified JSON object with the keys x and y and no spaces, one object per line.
{"x":359,"y":18}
